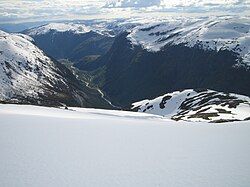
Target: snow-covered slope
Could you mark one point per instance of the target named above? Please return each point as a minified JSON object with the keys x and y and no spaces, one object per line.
{"x":59,"y":27}
{"x":86,"y":147}
{"x":27,"y":75}
{"x":24,"y":69}
{"x":210,"y":33}
{"x":199,"y":105}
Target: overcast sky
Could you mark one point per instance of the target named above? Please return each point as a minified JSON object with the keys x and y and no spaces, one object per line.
{"x":39,"y":10}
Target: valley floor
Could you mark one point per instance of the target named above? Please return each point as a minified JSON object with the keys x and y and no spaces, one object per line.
{"x":88,"y":147}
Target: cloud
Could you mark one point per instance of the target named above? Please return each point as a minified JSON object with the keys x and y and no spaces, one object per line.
{"x":132,"y":3}
{"x":180,"y":5}
{"x":29,"y":10}
{"x":15,"y":10}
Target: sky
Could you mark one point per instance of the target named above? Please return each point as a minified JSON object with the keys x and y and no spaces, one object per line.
{"x":15,"y":11}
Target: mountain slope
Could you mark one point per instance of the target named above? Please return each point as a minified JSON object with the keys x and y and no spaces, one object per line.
{"x":70,"y":41}
{"x":214,"y":33}
{"x":198,"y":105}
{"x":150,"y":60}
{"x":29,"y":76}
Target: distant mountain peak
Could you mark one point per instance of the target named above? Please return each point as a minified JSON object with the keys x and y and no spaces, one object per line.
{"x":59,"y":27}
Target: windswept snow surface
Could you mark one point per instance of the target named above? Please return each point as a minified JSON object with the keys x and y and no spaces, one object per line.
{"x":210,"y":33}
{"x":87,"y":147}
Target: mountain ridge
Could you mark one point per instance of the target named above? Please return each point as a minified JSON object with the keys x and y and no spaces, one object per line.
{"x":29,"y":76}
{"x":70,"y":40}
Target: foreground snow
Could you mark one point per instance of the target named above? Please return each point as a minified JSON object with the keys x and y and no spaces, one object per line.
{"x":87,"y":147}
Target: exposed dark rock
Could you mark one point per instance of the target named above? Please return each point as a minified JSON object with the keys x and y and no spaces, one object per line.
{"x":223,"y":111}
{"x":164,"y":101}
{"x":205,"y":116}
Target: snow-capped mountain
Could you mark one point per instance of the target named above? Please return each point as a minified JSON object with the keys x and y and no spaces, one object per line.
{"x":102,"y":27}
{"x":59,"y":27}
{"x":198,"y":105}
{"x":71,"y":40}
{"x":29,"y":76}
{"x":159,"y":56}
{"x":153,"y":34}
{"x":209,"y":33}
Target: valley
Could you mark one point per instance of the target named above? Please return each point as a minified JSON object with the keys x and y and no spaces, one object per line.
{"x":86,"y":78}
